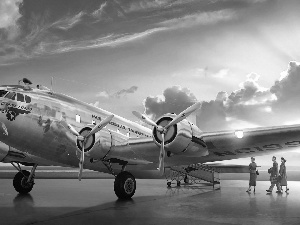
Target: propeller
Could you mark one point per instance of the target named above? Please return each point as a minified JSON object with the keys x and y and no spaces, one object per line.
{"x":83,"y":139}
{"x":162,"y":155}
{"x":163,"y":130}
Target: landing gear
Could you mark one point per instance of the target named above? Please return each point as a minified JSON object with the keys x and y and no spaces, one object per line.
{"x":124,"y":185}
{"x":186,"y":179}
{"x":24,"y":180}
{"x":21,"y":183}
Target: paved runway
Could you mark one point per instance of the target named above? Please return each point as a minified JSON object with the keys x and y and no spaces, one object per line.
{"x":58,"y":201}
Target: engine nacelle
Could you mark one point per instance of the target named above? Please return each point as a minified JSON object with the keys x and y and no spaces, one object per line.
{"x":181,"y":138}
{"x":97,"y":145}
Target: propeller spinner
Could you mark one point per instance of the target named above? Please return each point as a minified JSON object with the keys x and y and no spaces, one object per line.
{"x":163,"y":129}
{"x":84,"y":139}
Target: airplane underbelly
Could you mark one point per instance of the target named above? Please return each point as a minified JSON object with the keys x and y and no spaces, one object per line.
{"x":4,"y":149}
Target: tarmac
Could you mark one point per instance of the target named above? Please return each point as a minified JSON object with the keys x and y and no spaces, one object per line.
{"x":92,"y":201}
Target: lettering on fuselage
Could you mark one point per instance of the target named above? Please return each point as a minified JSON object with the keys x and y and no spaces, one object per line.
{"x":96,"y":117}
{"x":248,"y":150}
{"x":122,"y":127}
{"x":13,"y":110}
{"x":128,"y":129}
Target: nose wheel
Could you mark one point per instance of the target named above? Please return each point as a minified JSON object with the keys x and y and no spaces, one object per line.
{"x":24,"y":180}
{"x":21,"y":183}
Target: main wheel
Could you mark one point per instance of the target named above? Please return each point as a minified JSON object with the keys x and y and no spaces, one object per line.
{"x":20,"y":182}
{"x":125,"y":185}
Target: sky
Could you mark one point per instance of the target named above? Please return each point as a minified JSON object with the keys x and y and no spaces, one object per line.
{"x":240,"y":58}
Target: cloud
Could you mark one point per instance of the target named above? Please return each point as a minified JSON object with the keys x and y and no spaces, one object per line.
{"x":174,"y":100}
{"x":287,"y":88}
{"x":9,"y":15}
{"x":102,"y":94}
{"x":98,"y":13}
{"x":44,"y":48}
{"x":202,"y":72}
{"x":40,"y":28}
{"x":68,"y":22}
{"x":144,"y":5}
{"x":201,"y":18}
{"x":109,"y":11}
{"x":120,"y":94}
{"x":249,"y":106}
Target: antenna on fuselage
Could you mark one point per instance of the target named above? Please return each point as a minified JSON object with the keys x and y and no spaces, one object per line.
{"x":51,"y":84}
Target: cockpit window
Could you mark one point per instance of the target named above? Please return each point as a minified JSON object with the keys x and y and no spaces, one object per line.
{"x":11,"y":95}
{"x":27,"y":99}
{"x":20,"y":97}
{"x":2,"y":93}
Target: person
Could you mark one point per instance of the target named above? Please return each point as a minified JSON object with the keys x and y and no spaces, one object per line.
{"x":282,"y":174}
{"x":253,"y":175}
{"x":274,"y":176}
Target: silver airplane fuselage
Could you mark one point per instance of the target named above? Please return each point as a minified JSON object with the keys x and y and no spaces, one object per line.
{"x":31,"y":128}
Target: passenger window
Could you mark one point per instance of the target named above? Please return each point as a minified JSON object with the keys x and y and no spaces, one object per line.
{"x":27,"y":99}
{"x":20,"y":97}
{"x":11,"y":95}
{"x":2,"y":93}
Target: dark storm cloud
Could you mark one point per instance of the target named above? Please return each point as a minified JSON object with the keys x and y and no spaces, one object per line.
{"x":51,"y":27}
{"x":250,"y":105}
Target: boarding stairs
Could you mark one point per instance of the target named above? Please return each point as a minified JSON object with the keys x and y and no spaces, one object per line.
{"x":193,"y":174}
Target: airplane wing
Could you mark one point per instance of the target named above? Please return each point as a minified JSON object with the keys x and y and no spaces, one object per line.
{"x":229,"y":168}
{"x":251,"y":142}
{"x":27,"y":159}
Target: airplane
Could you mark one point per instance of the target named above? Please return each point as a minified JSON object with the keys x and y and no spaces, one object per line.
{"x":41,"y":127}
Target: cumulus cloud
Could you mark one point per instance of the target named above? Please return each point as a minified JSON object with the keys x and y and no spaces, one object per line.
{"x":174,"y":100}
{"x":288,"y":87}
{"x":9,"y":15}
{"x":249,"y":106}
{"x":120,"y":94}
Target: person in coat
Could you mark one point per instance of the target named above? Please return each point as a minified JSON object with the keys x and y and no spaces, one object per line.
{"x":253,"y":175}
{"x":274,"y":176}
{"x":282,"y":174}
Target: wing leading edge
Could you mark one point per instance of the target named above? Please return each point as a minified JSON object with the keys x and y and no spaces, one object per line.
{"x":251,"y":142}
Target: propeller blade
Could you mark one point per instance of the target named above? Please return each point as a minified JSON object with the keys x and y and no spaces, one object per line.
{"x":184,"y":114}
{"x":70,"y":128}
{"x":162,"y":155}
{"x":102,"y":124}
{"x":144,"y":118}
{"x":81,"y":162}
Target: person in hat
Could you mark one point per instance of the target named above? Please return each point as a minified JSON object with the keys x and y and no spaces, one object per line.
{"x":282,"y":174}
{"x":253,"y":175}
{"x":274,"y":176}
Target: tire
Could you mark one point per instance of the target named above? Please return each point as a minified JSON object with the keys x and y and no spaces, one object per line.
{"x":124,"y":185}
{"x":186,"y":180}
{"x":20,"y":182}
